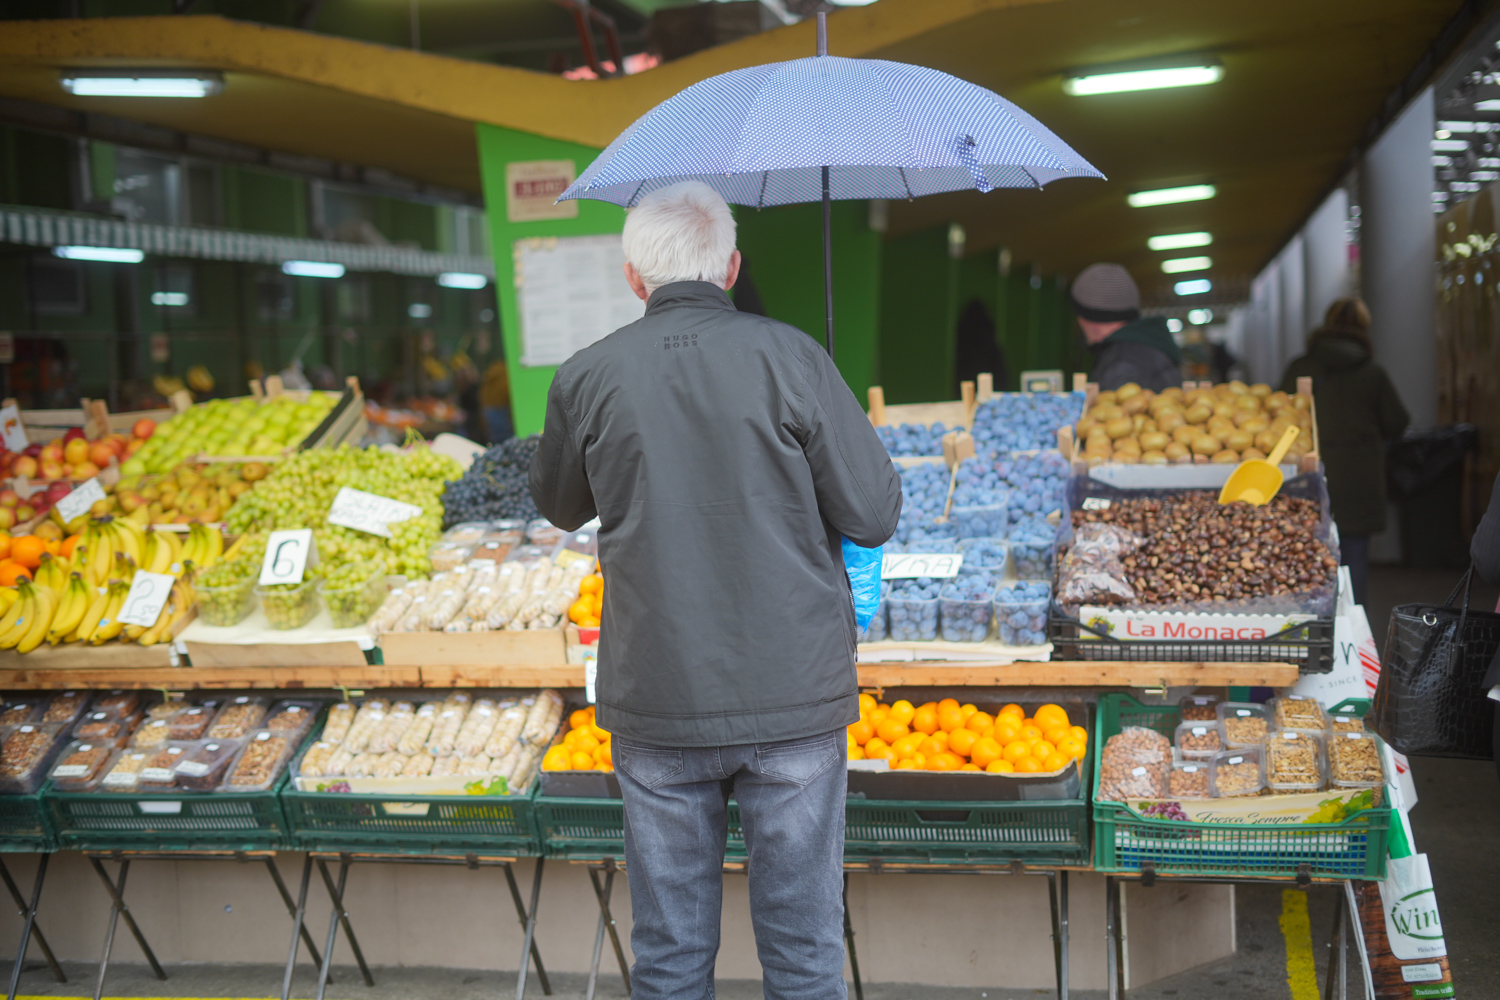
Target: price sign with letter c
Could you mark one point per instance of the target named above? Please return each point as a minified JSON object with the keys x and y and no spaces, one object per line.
{"x":148,"y":593}
{"x":288,"y":554}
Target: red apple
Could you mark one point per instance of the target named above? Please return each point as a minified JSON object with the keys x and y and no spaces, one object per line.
{"x":52,"y":453}
{"x":75,"y":451}
{"x":116,"y":441}
{"x":25,"y":466}
{"x":143,"y":428}
{"x":9,"y":498}
{"x":73,"y":434}
{"x":56,"y":491}
{"x":7,"y":519}
{"x":51,"y":469}
{"x":99,"y":454}
{"x":133,"y":445}
{"x":85,"y":470}
{"x":25,"y":512}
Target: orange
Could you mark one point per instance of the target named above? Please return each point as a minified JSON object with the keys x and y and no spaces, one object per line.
{"x":585,"y":741}
{"x":1054,"y":734}
{"x":881,"y":752}
{"x":979,"y":721}
{"x":884,"y":707}
{"x":908,"y":764}
{"x":908,"y":744}
{"x":888,"y":730}
{"x":1072,"y":746}
{"x":1030,"y":733}
{"x":1056,"y":762}
{"x":54,"y":546}
{"x":12,"y":572}
{"x":604,"y":755}
{"x":1006,"y":730}
{"x":949,"y":718}
{"x":604,"y":767}
{"x":1052,"y":714}
{"x":1041,"y":749}
{"x":970,"y":767}
{"x":1017,"y":750}
{"x":582,"y":761}
{"x":965,"y":710}
{"x":902,"y":711}
{"x":1028,"y":765}
{"x":866,"y":704}
{"x":591,"y":584}
{"x":925,"y":721}
{"x":875,"y":743}
{"x":602,"y":735}
{"x":557,"y":759}
{"x":985,"y":750}
{"x":856,"y":752}
{"x":932,"y":746}
{"x":578,"y":718}
{"x":1080,"y":732}
{"x":918,"y":760}
{"x":861,"y":732}
{"x":877,"y":716}
{"x":945,"y":762}
{"x":948,"y":703}
{"x":961,"y":741}
{"x":27,"y":550}
{"x":1001,"y":767}
{"x":1013,"y":709}
{"x":5,"y":544}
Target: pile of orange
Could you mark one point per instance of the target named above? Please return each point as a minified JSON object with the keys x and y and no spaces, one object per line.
{"x":585,"y":611}
{"x":946,"y":736}
{"x":586,"y":747}
{"x":22,"y":554}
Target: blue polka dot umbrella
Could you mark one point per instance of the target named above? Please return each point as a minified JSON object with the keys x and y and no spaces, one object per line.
{"x":829,"y":127}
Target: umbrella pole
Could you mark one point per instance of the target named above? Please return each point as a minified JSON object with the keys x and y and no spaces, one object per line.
{"x":827,"y":214}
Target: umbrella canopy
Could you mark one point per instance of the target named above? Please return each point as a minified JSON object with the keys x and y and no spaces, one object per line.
{"x":762,"y":136}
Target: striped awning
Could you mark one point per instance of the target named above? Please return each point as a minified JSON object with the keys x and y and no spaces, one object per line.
{"x":47,"y":228}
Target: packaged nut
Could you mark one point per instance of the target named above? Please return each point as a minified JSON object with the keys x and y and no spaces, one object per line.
{"x":1294,"y":761}
{"x":1295,"y":711}
{"x":65,"y":707}
{"x":340,"y":717}
{"x":418,"y":765}
{"x":23,"y":754}
{"x":1242,"y":724}
{"x":258,"y":764}
{"x":445,"y":731}
{"x":338,"y":764}
{"x":1236,"y":772}
{"x":1188,"y":779}
{"x":291,"y":717}
{"x":389,"y":765}
{"x":362,"y":766}
{"x":165,"y":709}
{"x":1199,"y":708}
{"x":315,"y":761}
{"x":387,"y":735}
{"x":507,"y":732}
{"x":1198,"y":740}
{"x":237,"y":718}
{"x":101,"y":727}
{"x":80,"y":766}
{"x":16,"y":712}
{"x":151,"y":734}
{"x":369,"y":717}
{"x":476,"y":730}
{"x":1354,"y":761}
{"x":1134,"y":765}
{"x":445,"y":766}
{"x":415,"y":738}
{"x":477,"y":764}
{"x":202,"y":766}
{"x":191,"y":723}
{"x":396,"y":604}
{"x":119,"y":702}
{"x":160,"y":772}
{"x":519,"y":777}
{"x":1346,"y":724}
{"x":543,"y":719}
{"x":125,"y":773}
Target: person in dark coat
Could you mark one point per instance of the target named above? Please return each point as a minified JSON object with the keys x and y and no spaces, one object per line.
{"x":1359,"y":414}
{"x":1485,"y":552}
{"x":975,"y":350}
{"x":1127,"y":347}
{"x":724,"y":457}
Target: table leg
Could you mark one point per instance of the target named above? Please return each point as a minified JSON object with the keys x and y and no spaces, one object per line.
{"x":1062,"y":911}
{"x":1111,"y":940}
{"x":28,"y":911}
{"x":299,"y":915}
{"x":588,"y":992}
{"x":291,"y":909}
{"x":859,"y":986}
{"x":609,"y":919}
{"x":118,"y":909}
{"x":339,"y":916}
{"x":529,"y":951}
{"x":1336,"y":987}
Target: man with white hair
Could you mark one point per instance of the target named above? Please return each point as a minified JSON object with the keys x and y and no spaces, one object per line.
{"x":724,"y":456}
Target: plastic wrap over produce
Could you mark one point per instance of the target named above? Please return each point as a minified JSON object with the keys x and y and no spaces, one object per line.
{"x":863,"y":567}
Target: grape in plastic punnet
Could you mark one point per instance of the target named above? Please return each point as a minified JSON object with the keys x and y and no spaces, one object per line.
{"x":924,"y":495}
{"x":1038,"y":483}
{"x":1021,"y":612}
{"x":1033,"y":548}
{"x":983,"y":554}
{"x":1023,"y":421}
{"x":912,"y":440}
{"x":965,"y":607}
{"x":913,"y":608}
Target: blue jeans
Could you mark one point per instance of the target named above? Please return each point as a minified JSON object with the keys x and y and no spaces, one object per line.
{"x":791,"y":798}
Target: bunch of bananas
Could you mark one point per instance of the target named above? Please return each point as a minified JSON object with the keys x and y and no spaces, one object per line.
{"x":205,"y":546}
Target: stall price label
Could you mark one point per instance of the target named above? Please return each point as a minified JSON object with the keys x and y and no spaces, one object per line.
{"x":369,"y":512}
{"x":1095,"y":503}
{"x":590,"y":675}
{"x":288,"y":554}
{"x":905,"y":565}
{"x":148,"y":594}
{"x":11,"y":428}
{"x":77,"y":503}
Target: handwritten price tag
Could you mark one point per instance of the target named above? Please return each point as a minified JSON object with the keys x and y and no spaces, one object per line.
{"x":369,"y":512}
{"x":148,"y":593}
{"x":11,"y":430}
{"x":77,"y":503}
{"x":904,"y":565}
{"x":1095,"y":503}
{"x":288,"y":554}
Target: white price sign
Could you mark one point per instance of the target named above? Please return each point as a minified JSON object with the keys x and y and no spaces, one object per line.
{"x":369,"y":512}
{"x":1096,"y":503}
{"x":590,"y":675}
{"x":906,"y":565}
{"x":77,"y":503}
{"x":148,"y":593}
{"x":288,"y":554}
{"x":11,"y":429}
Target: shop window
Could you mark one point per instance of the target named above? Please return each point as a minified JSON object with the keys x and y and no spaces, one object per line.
{"x":176,"y":292}
{"x":353,"y":298}
{"x":147,"y":188}
{"x":56,"y":287}
{"x":275,"y":297}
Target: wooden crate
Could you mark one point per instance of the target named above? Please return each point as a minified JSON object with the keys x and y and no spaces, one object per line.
{"x":346,"y":423}
{"x":527,"y":647}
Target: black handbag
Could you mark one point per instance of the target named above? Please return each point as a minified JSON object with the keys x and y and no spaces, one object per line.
{"x":1431,"y":700}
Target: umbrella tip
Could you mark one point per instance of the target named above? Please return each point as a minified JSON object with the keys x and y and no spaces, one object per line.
{"x":822,"y":33}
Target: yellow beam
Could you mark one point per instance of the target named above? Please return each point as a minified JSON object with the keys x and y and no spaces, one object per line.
{"x":588,"y":112}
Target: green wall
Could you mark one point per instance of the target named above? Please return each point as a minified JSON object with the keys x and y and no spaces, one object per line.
{"x":917,"y":314}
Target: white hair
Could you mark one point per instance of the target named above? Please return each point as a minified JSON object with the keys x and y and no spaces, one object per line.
{"x":680,"y":233}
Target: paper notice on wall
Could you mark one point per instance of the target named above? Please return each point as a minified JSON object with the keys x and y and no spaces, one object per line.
{"x":571,"y":292}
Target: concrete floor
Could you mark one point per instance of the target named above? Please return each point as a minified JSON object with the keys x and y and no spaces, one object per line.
{"x":1455,"y":823}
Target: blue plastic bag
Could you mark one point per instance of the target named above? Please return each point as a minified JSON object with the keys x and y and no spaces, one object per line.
{"x":863,"y":567}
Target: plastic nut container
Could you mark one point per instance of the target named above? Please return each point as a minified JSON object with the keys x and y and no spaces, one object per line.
{"x":966,"y":604}
{"x":1294,"y":761}
{"x":291,"y":717}
{"x":1300,"y":713}
{"x":467,"y":532}
{"x":1021,"y":612}
{"x":1199,"y":708}
{"x":353,"y":605}
{"x":982,"y":521}
{"x":20,"y":711}
{"x":159,"y":774}
{"x":1242,"y":723}
{"x":1354,"y":761}
{"x":1134,"y":765}
{"x":259,"y":763}
{"x":124,"y":774}
{"x":1188,"y":779}
{"x":1198,"y":740}
{"x":152,"y":734}
{"x":118,"y":702}
{"x":25,"y":753}
{"x":1346,"y":724}
{"x":289,"y":605}
{"x":192,"y":722}
{"x":80,"y":766}
{"x":914,"y":610}
{"x":1236,"y":772}
{"x":238,"y":718}
{"x":65,"y":707}
{"x":225,"y":605}
{"x":447,"y":556}
{"x":202,"y":766}
{"x":101,"y":727}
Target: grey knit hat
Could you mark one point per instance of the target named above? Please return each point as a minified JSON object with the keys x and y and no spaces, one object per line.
{"x":1105,"y":293}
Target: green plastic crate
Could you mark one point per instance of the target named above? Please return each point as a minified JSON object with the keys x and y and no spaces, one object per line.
{"x":177,"y":821}
{"x":584,"y":829}
{"x":23,"y":824}
{"x":414,"y":824}
{"x":1039,"y":833}
{"x":1124,"y":841}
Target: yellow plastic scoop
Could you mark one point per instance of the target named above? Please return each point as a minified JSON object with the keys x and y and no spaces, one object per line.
{"x":1256,"y":481}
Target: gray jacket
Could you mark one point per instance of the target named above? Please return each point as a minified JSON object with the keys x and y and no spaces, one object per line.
{"x":724,"y":456}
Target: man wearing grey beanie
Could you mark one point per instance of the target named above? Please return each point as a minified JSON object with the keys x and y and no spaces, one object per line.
{"x":1128,"y":347}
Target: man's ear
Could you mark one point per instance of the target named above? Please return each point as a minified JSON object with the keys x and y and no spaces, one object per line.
{"x":633,"y":278}
{"x":733,"y":273}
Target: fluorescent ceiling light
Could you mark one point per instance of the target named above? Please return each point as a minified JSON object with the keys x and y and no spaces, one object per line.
{"x":1487,"y":106}
{"x":1179,"y":241}
{"x":458,"y":279}
{"x":312,"y":269}
{"x":1195,"y":287}
{"x":1200,"y":317}
{"x":1171,"y":196}
{"x":111,"y":255}
{"x":1174,"y":325}
{"x":1180,"y":264}
{"x":142,"y":84}
{"x":1451,"y":127}
{"x":1483,"y":175}
{"x":169,"y":298}
{"x":1442,"y":161}
{"x":1450,"y":145}
{"x":1103,"y":81}
{"x":419,"y":310}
